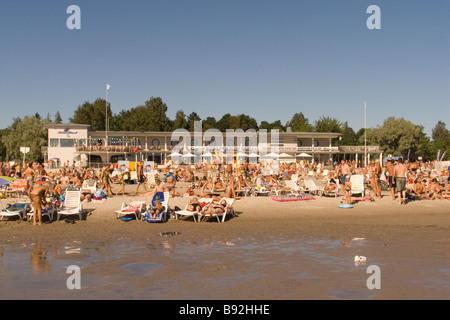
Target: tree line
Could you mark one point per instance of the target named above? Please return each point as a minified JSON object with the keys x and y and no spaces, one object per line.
{"x":396,"y":136}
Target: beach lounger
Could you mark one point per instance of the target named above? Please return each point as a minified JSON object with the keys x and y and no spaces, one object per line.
{"x":15,"y":210}
{"x":292,"y":185}
{"x":90,"y":184}
{"x":221,"y":216}
{"x":45,"y":213}
{"x":313,"y":188}
{"x":187,"y":213}
{"x":357,"y":182}
{"x":162,"y":216}
{"x":72,"y":204}
{"x":135,"y":208}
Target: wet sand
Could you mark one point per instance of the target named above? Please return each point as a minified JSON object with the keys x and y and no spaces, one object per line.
{"x":272,"y":250}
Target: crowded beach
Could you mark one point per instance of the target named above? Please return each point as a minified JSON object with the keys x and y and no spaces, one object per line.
{"x":401,"y":181}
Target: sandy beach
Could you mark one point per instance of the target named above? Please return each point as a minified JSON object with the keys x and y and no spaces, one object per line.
{"x":271,"y":250}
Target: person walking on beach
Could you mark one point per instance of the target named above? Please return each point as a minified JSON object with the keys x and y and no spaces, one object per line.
{"x":400,"y":181}
{"x":106,"y":180}
{"x":140,"y":177}
{"x":38,"y":198}
{"x":391,"y":181}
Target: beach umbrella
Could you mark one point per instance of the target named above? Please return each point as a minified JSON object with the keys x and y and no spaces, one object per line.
{"x":4,"y":182}
{"x":175,"y":154}
{"x":285,"y":155}
{"x":253,"y":155}
{"x":208,"y":154}
{"x":304,"y":155}
{"x":187,"y":155}
{"x":272,"y":155}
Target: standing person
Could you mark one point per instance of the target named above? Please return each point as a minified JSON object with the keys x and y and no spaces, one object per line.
{"x":29,"y":175}
{"x":375,"y":179}
{"x":400,"y":180}
{"x":106,"y":180}
{"x":348,"y":190}
{"x":391,"y":181}
{"x":141,"y":176}
{"x":122,"y":184}
{"x":345,"y":171}
{"x":38,"y":197}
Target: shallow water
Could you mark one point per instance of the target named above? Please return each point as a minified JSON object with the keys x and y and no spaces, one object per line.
{"x":166,"y":267}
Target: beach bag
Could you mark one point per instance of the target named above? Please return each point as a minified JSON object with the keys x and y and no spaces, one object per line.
{"x":100,"y":194}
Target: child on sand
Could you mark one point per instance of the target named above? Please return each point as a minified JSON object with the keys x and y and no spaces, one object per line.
{"x":348,"y":190}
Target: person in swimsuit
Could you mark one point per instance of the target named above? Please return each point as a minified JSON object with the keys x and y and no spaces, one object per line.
{"x":170,"y":183}
{"x":194,"y":205}
{"x":38,"y":198}
{"x":400,"y":181}
{"x":106,"y":180}
{"x":215,"y":207}
{"x":375,"y":169}
{"x":141,"y":177}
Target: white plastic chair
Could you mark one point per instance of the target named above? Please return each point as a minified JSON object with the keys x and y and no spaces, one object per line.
{"x":72,"y":204}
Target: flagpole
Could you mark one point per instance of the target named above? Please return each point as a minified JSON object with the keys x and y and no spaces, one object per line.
{"x":365,"y":135}
{"x":106,"y":116}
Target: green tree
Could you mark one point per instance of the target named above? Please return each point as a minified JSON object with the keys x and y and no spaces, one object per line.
{"x":209,"y":123}
{"x":30,"y":132}
{"x":149,"y":117}
{"x":191,"y":118}
{"x":397,"y":136}
{"x":440,"y":132}
{"x":180,"y":121}
{"x":349,"y":137}
{"x":58,"y":118}
{"x":299,"y":123}
{"x":93,"y":114}
{"x":328,"y":124}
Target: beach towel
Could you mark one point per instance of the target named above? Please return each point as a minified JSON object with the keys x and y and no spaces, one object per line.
{"x":158,"y":196}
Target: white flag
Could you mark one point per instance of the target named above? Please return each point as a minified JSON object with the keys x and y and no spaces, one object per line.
{"x":108,"y":86}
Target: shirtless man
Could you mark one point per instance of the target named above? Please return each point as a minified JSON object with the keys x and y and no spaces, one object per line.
{"x":400,"y":181}
{"x":29,"y":175}
{"x":345,"y":171}
{"x":391,"y":181}
{"x":435,"y":190}
{"x":419,"y":190}
{"x":38,"y":198}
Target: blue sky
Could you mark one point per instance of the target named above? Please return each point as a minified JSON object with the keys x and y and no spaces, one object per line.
{"x":268,"y":59}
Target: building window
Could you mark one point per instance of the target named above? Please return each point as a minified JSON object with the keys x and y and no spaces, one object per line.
{"x":155,"y":142}
{"x":299,"y":142}
{"x":316,"y":143}
{"x":67,"y":143}
{"x":54,"y":143}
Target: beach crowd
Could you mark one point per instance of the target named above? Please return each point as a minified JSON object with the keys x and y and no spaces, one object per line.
{"x":415,"y":179}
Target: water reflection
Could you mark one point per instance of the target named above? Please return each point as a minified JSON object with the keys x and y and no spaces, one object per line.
{"x":242,"y":267}
{"x":38,"y":259}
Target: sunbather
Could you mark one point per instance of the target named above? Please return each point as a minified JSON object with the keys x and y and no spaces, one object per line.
{"x":157,"y":209}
